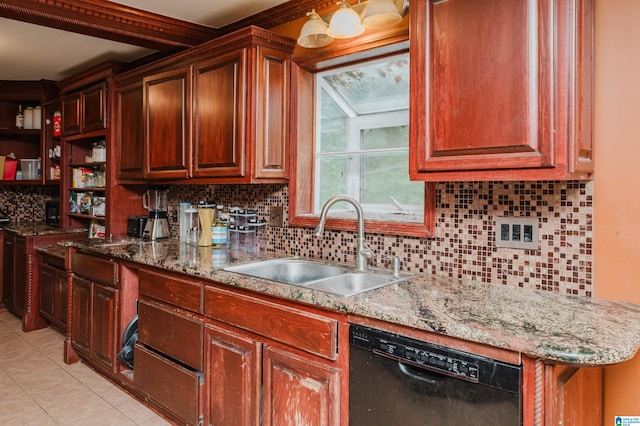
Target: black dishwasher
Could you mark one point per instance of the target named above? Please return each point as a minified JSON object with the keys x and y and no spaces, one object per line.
{"x":396,"y":380}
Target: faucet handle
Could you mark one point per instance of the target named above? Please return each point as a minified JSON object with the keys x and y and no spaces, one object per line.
{"x":395,"y":264}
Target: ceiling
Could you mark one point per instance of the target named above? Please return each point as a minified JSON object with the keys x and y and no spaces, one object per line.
{"x":29,"y":51}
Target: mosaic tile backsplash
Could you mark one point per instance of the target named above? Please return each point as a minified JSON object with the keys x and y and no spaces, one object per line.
{"x":26,"y":203}
{"x":464,"y":242}
{"x":463,"y":245}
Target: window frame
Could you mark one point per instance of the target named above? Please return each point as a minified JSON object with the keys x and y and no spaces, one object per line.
{"x":303,"y":141}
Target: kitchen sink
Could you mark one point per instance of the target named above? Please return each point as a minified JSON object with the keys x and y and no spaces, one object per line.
{"x":289,"y":271}
{"x":333,"y":279}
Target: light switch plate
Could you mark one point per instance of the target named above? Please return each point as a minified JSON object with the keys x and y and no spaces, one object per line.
{"x":276,"y":216}
{"x":517,"y":232}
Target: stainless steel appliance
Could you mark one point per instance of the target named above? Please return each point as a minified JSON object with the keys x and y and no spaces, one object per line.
{"x":157,"y":227}
{"x":398,"y":380}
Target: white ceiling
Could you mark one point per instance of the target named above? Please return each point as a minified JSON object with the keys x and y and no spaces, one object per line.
{"x":33,"y":52}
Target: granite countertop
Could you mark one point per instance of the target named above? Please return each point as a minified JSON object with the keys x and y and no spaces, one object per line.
{"x":561,"y":328}
{"x":31,"y":229}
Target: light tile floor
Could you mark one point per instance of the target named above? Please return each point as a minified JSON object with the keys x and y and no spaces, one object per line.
{"x":38,"y":388}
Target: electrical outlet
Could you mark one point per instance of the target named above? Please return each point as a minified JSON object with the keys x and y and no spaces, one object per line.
{"x":276,"y":216}
{"x":517,"y":232}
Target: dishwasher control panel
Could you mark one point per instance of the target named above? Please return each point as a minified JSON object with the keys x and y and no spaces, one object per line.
{"x":436,"y":358}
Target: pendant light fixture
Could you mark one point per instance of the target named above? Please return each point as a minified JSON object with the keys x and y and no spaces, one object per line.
{"x":350,"y":21}
{"x":345,"y":23}
{"x":314,"y":32}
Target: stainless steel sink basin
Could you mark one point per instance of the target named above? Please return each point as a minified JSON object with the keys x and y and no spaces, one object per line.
{"x":333,"y":279}
{"x":288,"y":271}
{"x":353,"y":283}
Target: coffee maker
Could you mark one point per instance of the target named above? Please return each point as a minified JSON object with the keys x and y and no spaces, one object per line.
{"x":157,"y":227}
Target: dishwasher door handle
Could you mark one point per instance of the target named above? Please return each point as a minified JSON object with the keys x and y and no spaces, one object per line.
{"x":406,"y":370}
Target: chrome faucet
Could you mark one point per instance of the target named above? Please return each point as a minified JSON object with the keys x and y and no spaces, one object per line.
{"x":363,"y":253}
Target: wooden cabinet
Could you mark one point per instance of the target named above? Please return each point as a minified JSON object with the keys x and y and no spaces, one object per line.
{"x":573,"y":396}
{"x":85,"y":111}
{"x":501,"y":92}
{"x":53,"y":292}
{"x":94,"y":311}
{"x":168,"y":358}
{"x":300,"y":388}
{"x":218,"y":112}
{"x":25,"y":143}
{"x":166,"y":133}
{"x":13,"y":276}
{"x":22,"y":274}
{"x":129,"y":143}
{"x":278,"y":364}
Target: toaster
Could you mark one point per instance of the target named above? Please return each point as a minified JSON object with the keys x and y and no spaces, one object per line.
{"x":135,"y":226}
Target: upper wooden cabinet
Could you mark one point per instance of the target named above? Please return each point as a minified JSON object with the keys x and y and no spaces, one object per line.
{"x":130,"y":153}
{"x":85,"y":110}
{"x":218,"y":112}
{"x":501,"y":90}
{"x":166,"y":119}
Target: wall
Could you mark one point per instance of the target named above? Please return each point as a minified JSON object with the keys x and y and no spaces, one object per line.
{"x":464,"y":242}
{"x":617,"y":180}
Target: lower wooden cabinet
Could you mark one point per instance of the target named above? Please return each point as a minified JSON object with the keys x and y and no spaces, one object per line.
{"x":94,"y":307}
{"x":233,"y":367}
{"x":299,"y":390}
{"x":270,"y":363}
{"x":53,"y":296}
{"x":573,"y":396}
{"x":168,"y":358}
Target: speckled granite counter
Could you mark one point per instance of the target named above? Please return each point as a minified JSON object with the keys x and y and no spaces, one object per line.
{"x":568,"y":329}
{"x":29,"y":229}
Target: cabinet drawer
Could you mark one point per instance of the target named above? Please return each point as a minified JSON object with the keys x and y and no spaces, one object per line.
{"x":300,"y":329}
{"x":168,"y":384}
{"x":171,"y":333}
{"x":55,"y":261}
{"x":94,"y":268}
{"x":184,"y":294}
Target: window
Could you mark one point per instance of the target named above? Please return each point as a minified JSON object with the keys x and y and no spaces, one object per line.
{"x":351,"y":136}
{"x":362,"y":140}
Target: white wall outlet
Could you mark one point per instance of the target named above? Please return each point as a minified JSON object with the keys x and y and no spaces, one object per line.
{"x":517,"y":232}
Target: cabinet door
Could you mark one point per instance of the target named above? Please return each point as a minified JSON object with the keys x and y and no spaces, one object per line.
{"x":232,"y":377}
{"x":271,"y":112}
{"x":94,"y":108}
{"x":81,"y":316}
{"x":7,"y":272}
{"x":20,"y":278}
{"x":130,"y":145}
{"x":48,"y":284}
{"x":71,"y":114}
{"x":497,"y":90}
{"x":219,"y":116}
{"x":166,"y":131}
{"x":574,"y":396}
{"x":60,"y":297}
{"x":103,"y":336}
{"x":299,"y":388}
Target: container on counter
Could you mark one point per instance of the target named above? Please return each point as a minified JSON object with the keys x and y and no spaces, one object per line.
{"x":219,"y":229}
{"x":206,"y":216}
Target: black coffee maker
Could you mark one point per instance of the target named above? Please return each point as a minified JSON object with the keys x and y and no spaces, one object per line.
{"x":52,"y":213}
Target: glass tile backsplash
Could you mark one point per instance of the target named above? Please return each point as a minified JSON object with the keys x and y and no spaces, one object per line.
{"x":464,"y":242}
